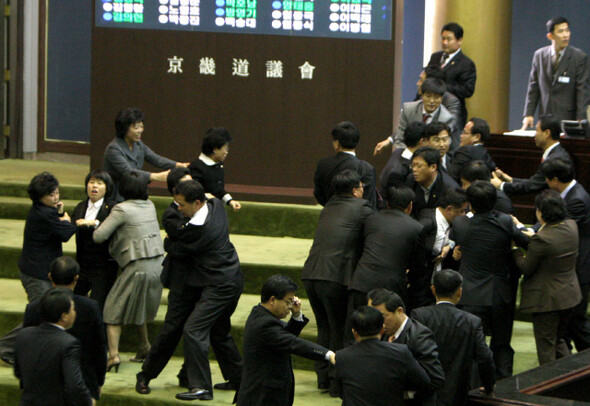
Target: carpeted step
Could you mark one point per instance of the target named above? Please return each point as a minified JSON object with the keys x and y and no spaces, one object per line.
{"x":118,"y":389}
{"x":266,"y":219}
{"x":14,"y":302}
{"x":260,"y":256}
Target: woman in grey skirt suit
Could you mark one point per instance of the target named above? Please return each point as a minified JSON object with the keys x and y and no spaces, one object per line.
{"x":136,"y":245}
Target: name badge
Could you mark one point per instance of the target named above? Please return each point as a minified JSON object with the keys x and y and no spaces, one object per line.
{"x":563,"y":79}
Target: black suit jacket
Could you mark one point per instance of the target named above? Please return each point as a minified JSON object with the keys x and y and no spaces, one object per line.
{"x":93,"y":257}
{"x":396,"y":170}
{"x":461,"y":342}
{"x":393,"y":243}
{"x":44,"y":233}
{"x":329,"y":167}
{"x":210,"y":176}
{"x":443,"y":181}
{"x":47,"y":362}
{"x":89,"y":330}
{"x":420,"y":283}
{"x":460,"y":77}
{"x":213,"y":258}
{"x":173,"y":220}
{"x":535,"y":183}
{"x":420,"y":341}
{"x":503,"y":203}
{"x":578,"y":209}
{"x":337,"y":244}
{"x":485,"y":241}
{"x":376,"y":373}
{"x":267,"y":377}
{"x":466,"y":154}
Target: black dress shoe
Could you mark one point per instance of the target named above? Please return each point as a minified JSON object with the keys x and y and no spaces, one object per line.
{"x":141,"y":385}
{"x":323,"y":386}
{"x":224,"y":386}
{"x":195,"y":394}
{"x":7,"y":357}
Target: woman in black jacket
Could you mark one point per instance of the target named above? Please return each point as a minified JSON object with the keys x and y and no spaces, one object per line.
{"x":98,"y":270}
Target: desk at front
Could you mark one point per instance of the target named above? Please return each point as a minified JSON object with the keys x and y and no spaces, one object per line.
{"x":520,"y":158}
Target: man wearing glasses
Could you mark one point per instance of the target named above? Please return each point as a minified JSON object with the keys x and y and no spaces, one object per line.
{"x":267,"y":377}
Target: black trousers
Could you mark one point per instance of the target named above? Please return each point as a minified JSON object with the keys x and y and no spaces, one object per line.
{"x":328,"y":301}
{"x":497,"y":321}
{"x":578,"y":329}
{"x":181,"y":302}
{"x":356,"y":299}
{"x":209,"y":323}
{"x":99,"y":283}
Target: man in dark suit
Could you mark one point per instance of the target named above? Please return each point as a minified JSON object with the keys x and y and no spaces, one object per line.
{"x":393,"y":243}
{"x":212,"y":287}
{"x":479,"y":170}
{"x":547,"y":138}
{"x":437,"y":227}
{"x":399,"y":328}
{"x":269,"y":342}
{"x":98,"y":270}
{"x":484,"y":242}
{"x":336,"y":249}
{"x":426,"y":180}
{"x":437,"y":135}
{"x":475,"y":134}
{"x":374,"y":372}
{"x":460,"y":339}
{"x":59,"y":381}
{"x":398,"y":166}
{"x":345,"y":137}
{"x":559,"y":175}
{"x":88,"y":328}
{"x":559,"y":79}
{"x":460,"y":70}
{"x":178,"y":310}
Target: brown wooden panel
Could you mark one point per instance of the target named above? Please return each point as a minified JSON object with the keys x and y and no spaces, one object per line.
{"x":281,"y":127}
{"x":519,"y":157}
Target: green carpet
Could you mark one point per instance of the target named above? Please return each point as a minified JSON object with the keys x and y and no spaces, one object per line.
{"x":269,"y":238}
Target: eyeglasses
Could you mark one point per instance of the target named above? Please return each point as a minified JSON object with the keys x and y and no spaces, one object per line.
{"x":290,"y":302}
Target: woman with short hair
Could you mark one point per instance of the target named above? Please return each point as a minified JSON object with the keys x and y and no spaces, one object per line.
{"x":98,"y":270}
{"x":550,"y":288}
{"x":46,"y":228}
{"x":137,"y":247}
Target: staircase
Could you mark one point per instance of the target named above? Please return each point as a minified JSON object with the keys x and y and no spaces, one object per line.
{"x":269,"y":239}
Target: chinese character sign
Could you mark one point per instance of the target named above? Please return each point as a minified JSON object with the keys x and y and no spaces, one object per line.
{"x":240,"y":67}
{"x":207,"y":66}
{"x":274,"y":69}
{"x":175,"y":64}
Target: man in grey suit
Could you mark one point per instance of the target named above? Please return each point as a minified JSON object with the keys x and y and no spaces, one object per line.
{"x":558,"y":83}
{"x":427,"y":110}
